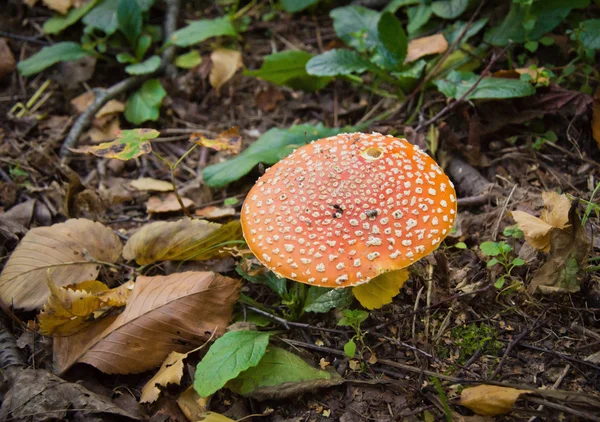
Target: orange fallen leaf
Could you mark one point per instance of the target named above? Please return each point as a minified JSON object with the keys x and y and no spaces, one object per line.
{"x":156,"y":205}
{"x":425,"y":46}
{"x":230,"y":140}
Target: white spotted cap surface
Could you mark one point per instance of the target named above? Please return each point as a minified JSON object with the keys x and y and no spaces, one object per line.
{"x":342,"y":210}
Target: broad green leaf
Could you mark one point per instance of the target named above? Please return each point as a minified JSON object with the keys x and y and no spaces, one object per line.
{"x":337,"y":62}
{"x":145,"y":5}
{"x":320,"y":299}
{"x":130,"y":144}
{"x":144,"y":104}
{"x":269,"y":279}
{"x":491,"y":248}
{"x":125,"y":58}
{"x":281,"y":374}
{"x":188,"y":60}
{"x":103,"y":17}
{"x":59,"y":23}
{"x":198,"y":31}
{"x":456,"y":84}
{"x":350,"y":348}
{"x":48,"y":56}
{"x":352,"y":318}
{"x":393,"y":43}
{"x":289,"y":68}
{"x":234,"y":352}
{"x":499,"y":283}
{"x":418,"y":16}
{"x":356,"y":26}
{"x":449,"y":9}
{"x":394,"y":5}
{"x":129,"y":18}
{"x":589,"y":34}
{"x":453,"y":31}
{"x":271,"y":147}
{"x":492,"y":262}
{"x":181,"y":240}
{"x":517,"y":262}
{"x":142,"y":46}
{"x":293,"y":6}
{"x":548,"y":13}
{"x":381,"y":290}
{"x":147,"y":66}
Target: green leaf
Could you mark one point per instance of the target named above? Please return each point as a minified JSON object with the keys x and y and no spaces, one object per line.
{"x":418,"y":16}
{"x":269,"y":279}
{"x":281,"y":374}
{"x":394,"y":5}
{"x":492,"y":262}
{"x":517,"y":262}
{"x":320,"y":299}
{"x":142,"y":46}
{"x":393,"y":43}
{"x":491,"y":248}
{"x":449,"y":9}
{"x":103,"y":17}
{"x":500,"y":282}
{"x":48,"y":56}
{"x":461,"y":245}
{"x":147,"y":66}
{"x":230,"y":201}
{"x":271,"y":147}
{"x":356,"y":26}
{"x":125,"y":58}
{"x":289,"y":68}
{"x":531,"y":46}
{"x":352,"y":317}
{"x":129,"y":18}
{"x":350,"y":349}
{"x":59,"y":23}
{"x":145,"y":5}
{"x":293,"y":6}
{"x":589,"y":34}
{"x":129,"y":144}
{"x":337,"y":62}
{"x":456,"y":84}
{"x":188,"y":60}
{"x":198,"y":31}
{"x":144,"y":104}
{"x":234,"y":352}
{"x":452,"y":32}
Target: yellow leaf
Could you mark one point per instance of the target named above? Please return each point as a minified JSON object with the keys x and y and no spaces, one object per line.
{"x":230,"y":141}
{"x":536,"y":230}
{"x":381,"y":290}
{"x":61,"y":6}
{"x":214,"y":417}
{"x":192,"y":405}
{"x":557,"y":209}
{"x":150,"y":184}
{"x":225,"y":63}
{"x":425,"y":46}
{"x":170,"y":372}
{"x":117,"y":296}
{"x":490,"y":400}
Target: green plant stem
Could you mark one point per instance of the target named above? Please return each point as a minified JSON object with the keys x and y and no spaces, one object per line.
{"x":590,"y":205}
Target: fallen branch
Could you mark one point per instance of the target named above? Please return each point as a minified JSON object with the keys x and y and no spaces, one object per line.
{"x":102,"y":96}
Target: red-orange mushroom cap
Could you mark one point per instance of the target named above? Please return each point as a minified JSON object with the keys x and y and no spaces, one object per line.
{"x":342,"y":210}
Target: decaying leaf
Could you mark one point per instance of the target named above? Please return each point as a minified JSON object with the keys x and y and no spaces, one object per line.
{"x":230,"y":141}
{"x":117,"y":296}
{"x":181,"y":240}
{"x":69,"y":251}
{"x":225,"y":63}
{"x":192,"y":405}
{"x":38,"y":395}
{"x":214,"y":213}
{"x":569,"y":251}
{"x":381,"y":290}
{"x":156,"y":205}
{"x":170,"y":313}
{"x":555,"y":215}
{"x":61,"y":6}
{"x":170,"y":372}
{"x":130,"y":144}
{"x":490,"y":400}
{"x":150,"y":184}
{"x":214,"y":417}
{"x":425,"y":46}
{"x":596,"y":116}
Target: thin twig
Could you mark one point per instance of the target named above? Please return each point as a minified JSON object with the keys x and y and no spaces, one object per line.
{"x":287,"y":324}
{"x":102,"y":96}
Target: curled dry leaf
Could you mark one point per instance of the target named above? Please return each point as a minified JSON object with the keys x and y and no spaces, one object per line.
{"x":71,"y":252}
{"x":150,"y":184}
{"x":170,"y":313}
{"x":192,"y":405}
{"x":490,"y":400}
{"x":181,"y":240}
{"x":170,"y":372}
{"x":381,"y":290}
{"x":156,"y":205}
{"x":230,"y":141}
{"x":425,"y":46}
{"x":225,"y":63}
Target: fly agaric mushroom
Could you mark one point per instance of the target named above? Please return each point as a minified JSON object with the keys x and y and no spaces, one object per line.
{"x":342,"y":210}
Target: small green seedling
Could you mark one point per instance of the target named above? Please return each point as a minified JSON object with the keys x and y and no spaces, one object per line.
{"x":501,"y":254}
{"x":353,"y":318}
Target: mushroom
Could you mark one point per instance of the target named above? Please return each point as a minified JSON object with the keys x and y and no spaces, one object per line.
{"x":342,"y":210}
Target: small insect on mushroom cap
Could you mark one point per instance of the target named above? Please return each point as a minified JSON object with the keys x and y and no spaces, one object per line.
{"x":342,"y":210}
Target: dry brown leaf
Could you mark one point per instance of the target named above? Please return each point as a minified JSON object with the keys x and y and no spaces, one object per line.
{"x":230,"y":141}
{"x":225,"y":63}
{"x":192,"y":405}
{"x":117,"y":296}
{"x":214,"y":213}
{"x":268,"y":100}
{"x":111,"y":107}
{"x":170,"y":372}
{"x":557,"y":209}
{"x":181,"y":240}
{"x":536,"y":231}
{"x":596,"y":116}
{"x":420,"y":47}
{"x":156,"y":205}
{"x":214,"y":417}
{"x":83,"y":101}
{"x":170,"y":313}
{"x":70,"y":250}
{"x":106,"y":132}
{"x":150,"y":184}
{"x":490,"y":400}
{"x":61,"y":6}
{"x":8,"y":64}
